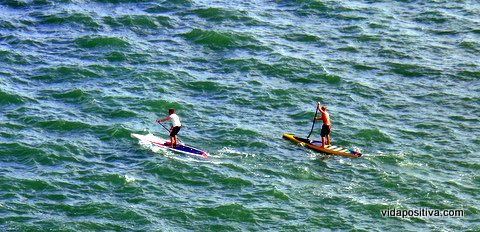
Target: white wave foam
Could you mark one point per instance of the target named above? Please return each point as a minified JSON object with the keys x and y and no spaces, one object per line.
{"x":231,"y":151}
{"x":129,"y":179}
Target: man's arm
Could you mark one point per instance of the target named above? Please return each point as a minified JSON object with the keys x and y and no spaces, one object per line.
{"x":164,"y":119}
{"x":319,"y":107}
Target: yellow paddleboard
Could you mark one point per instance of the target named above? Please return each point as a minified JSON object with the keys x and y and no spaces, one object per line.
{"x":317,"y":145}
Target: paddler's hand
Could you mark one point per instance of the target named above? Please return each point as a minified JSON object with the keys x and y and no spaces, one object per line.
{"x":158,"y":121}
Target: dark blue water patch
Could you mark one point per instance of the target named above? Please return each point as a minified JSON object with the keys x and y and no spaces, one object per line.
{"x":35,"y":185}
{"x":18,"y":4}
{"x":363,"y":67}
{"x":11,"y":59}
{"x":412,"y":70}
{"x":364,"y":90}
{"x":328,"y":78}
{"x":287,"y":67}
{"x":161,"y":9}
{"x":234,"y":65}
{"x":7,"y":98}
{"x":352,"y":49}
{"x":218,"y":40}
{"x":95,"y":103}
{"x":75,"y":94}
{"x":107,"y":70}
{"x":470,"y":46}
{"x":393,"y":53}
{"x":168,"y":6}
{"x":101,"y":42}
{"x":241,"y":142}
{"x":8,"y":128}
{"x":143,"y":25}
{"x":306,"y":38}
{"x":228,"y":212}
{"x":65,"y":18}
{"x":216,"y":14}
{"x":373,"y":136}
{"x":61,"y":74}
{"x":467,"y":73}
{"x":242,"y":101}
{"x":309,"y":79}
{"x":132,"y":21}
{"x":118,"y":214}
{"x":464,"y":118}
{"x":210,"y":87}
{"x":19,"y":43}
{"x":349,"y":30}
{"x":281,"y":93}
{"x":6,"y":25}
{"x":366,"y":38}
{"x":121,"y":113}
{"x":116,"y":56}
{"x":444,"y":32}
{"x":60,"y":125}
{"x":112,"y":132}
{"x":159,"y":77}
{"x":431,"y":16}
{"x":307,"y":7}
{"x":156,"y":104}
{"x":247,"y":133}
{"x":121,"y":1}
{"x":20,"y":154}
{"x":232,"y":183}
{"x":379,"y":25}
{"x":330,"y":10}
{"x":165,"y":21}
{"x":275,"y":193}
{"x":412,"y":135}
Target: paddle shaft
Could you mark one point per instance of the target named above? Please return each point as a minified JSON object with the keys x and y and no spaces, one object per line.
{"x":168,"y":130}
{"x":164,"y":127}
{"x":313,"y":124}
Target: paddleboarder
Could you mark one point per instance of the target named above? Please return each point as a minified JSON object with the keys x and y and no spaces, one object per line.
{"x":327,"y":126}
{"x":175,"y":128}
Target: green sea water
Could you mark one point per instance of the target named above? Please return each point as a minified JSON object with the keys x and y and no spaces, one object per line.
{"x":401,"y":79}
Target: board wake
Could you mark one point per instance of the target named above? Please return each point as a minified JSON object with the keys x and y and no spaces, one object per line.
{"x":165,"y":144}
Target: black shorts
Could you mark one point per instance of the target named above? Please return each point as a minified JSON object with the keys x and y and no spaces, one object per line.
{"x":325,"y":130}
{"x":175,"y":131}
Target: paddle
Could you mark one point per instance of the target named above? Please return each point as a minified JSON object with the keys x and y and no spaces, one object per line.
{"x":169,"y":131}
{"x":164,"y":127}
{"x":313,"y":124}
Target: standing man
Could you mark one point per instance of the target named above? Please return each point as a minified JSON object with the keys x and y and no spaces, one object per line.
{"x":176,"y":125}
{"x":327,"y":126}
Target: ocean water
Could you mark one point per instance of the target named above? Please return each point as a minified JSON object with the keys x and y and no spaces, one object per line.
{"x":401,"y":79}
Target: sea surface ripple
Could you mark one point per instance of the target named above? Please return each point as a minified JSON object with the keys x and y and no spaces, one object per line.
{"x":401,"y":80}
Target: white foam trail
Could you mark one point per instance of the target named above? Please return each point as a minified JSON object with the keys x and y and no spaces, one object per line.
{"x":230,"y":151}
{"x":172,"y":155}
{"x":195,"y":160}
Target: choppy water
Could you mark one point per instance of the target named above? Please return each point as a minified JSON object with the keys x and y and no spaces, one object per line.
{"x":401,"y":80}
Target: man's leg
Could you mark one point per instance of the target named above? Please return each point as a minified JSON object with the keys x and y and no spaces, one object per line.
{"x":172,"y":138}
